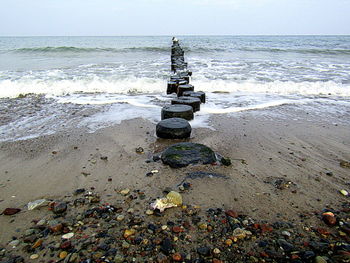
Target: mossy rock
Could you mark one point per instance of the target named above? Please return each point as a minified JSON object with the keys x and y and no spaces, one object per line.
{"x":186,"y":153}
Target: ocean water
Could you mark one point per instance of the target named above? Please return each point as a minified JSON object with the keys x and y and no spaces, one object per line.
{"x":51,"y":84}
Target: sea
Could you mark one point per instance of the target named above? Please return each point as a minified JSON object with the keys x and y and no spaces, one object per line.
{"x":55,"y":84}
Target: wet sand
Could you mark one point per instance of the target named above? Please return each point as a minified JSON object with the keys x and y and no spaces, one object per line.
{"x":282,"y":167}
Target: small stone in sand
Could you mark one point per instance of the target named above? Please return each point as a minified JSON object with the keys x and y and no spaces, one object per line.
{"x":125,"y":191}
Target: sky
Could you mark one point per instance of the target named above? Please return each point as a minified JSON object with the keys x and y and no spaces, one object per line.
{"x":175,"y":17}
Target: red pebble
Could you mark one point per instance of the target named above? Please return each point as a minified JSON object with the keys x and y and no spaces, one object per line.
{"x":66,"y":245}
{"x":11,"y":211}
{"x":329,"y":218}
{"x":177,"y":229}
{"x":177,"y":257}
{"x":231,"y":213}
{"x":265,"y":228}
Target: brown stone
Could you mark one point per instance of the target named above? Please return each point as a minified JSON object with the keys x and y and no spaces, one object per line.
{"x":231,"y":213}
{"x":11,"y":211}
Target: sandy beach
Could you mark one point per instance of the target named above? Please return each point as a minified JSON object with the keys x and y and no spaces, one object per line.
{"x":285,"y":166}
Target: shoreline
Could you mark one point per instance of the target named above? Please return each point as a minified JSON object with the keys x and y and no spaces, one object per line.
{"x":281,"y":168}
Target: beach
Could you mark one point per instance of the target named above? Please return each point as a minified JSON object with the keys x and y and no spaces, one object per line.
{"x":305,"y":152}
{"x":78,"y":120}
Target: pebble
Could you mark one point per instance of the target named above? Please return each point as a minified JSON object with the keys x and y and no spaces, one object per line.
{"x":63,"y":254}
{"x":149,"y":212}
{"x":216,"y":251}
{"x":68,"y":235}
{"x":14,"y":243}
{"x":231,"y":213}
{"x":125,"y":191}
{"x":29,"y":232}
{"x":129,"y":232}
{"x":125,"y":244}
{"x":344,"y":192}
{"x":131,"y":210}
{"x":34,"y":256}
{"x":37,"y":243}
{"x":177,"y":257}
{"x":204,"y":251}
{"x":286,"y":233}
{"x":42,"y":222}
{"x":329,"y":218}
{"x":202,"y":226}
{"x":118,"y":259}
{"x":11,"y":211}
{"x":320,"y":259}
{"x":120,"y":217}
{"x":59,"y":207}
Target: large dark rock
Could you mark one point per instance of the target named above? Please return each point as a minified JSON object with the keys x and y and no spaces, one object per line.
{"x":196,"y":94}
{"x":177,"y":111}
{"x":182,"y":88}
{"x":185,"y":153}
{"x":173,"y":128}
{"x":190,"y":101}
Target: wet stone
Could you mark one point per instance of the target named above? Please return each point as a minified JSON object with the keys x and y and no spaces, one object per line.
{"x":182,"y":154}
{"x":59,"y":207}
{"x":173,"y":128}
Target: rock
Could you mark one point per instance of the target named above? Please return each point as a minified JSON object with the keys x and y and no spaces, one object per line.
{"x":226,"y":161}
{"x":14,"y":243}
{"x":329,"y":218}
{"x":190,"y":101}
{"x":196,"y":94}
{"x":344,"y":164}
{"x":129,"y":232}
{"x":149,"y":212}
{"x":68,"y":235}
{"x":216,"y":251}
{"x":182,"y":88}
{"x":344,"y":192}
{"x":203,"y":251}
{"x":240,"y":233}
{"x":177,"y":111}
{"x":125,"y":191}
{"x":177,"y":257}
{"x":59,"y":207}
{"x":79,"y":191}
{"x":120,"y":217}
{"x":173,"y":128}
{"x":172,"y":199}
{"x":166,"y":246}
{"x":308,"y":255}
{"x":34,"y":256}
{"x":37,"y":243}
{"x":11,"y":211}
{"x":202,"y":226}
{"x":118,"y":259}
{"x":231,"y":213}
{"x":182,"y":154}
{"x":63,"y":254}
{"x":286,"y":246}
{"x":320,"y":259}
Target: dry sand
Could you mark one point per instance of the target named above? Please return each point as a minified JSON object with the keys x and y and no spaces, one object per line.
{"x":266,"y":150}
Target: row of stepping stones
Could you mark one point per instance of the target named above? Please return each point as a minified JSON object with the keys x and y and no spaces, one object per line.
{"x":175,"y":117}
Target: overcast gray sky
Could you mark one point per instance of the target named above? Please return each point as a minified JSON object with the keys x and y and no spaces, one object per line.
{"x":176,"y":17}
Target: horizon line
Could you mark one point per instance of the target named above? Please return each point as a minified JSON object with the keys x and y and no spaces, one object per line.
{"x":181,"y":35}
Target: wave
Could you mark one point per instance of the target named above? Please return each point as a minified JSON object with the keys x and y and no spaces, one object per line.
{"x":132,"y":85}
{"x":301,"y":51}
{"x":67,"y":49}
{"x":72,"y":49}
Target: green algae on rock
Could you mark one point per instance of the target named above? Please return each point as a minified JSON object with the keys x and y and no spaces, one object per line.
{"x":185,"y":153}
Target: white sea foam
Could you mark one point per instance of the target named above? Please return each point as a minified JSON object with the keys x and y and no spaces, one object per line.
{"x":132,"y":85}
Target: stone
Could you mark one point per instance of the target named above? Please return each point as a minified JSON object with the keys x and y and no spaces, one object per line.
{"x":177,"y":111}
{"x":166,"y":246}
{"x":183,"y":154}
{"x":173,"y":128}
{"x":231,"y":213}
{"x":63,"y":254}
{"x":14,"y":243}
{"x":190,"y":101}
{"x":68,"y":235}
{"x":120,"y":217}
{"x":204,"y":251}
{"x":129,"y":232}
{"x":59,"y":207}
{"x":196,"y":94}
{"x":118,"y":259}
{"x":11,"y":211}
{"x":329,"y":218}
{"x":125,"y":191}
{"x":34,"y":256}
{"x":320,"y":259}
